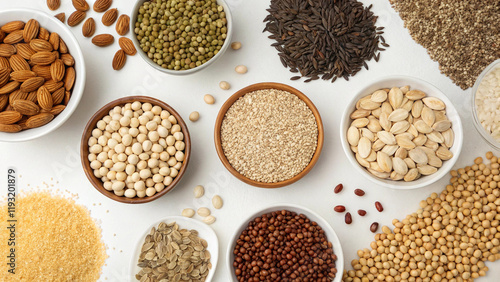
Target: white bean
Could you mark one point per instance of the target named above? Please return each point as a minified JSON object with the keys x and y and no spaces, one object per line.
{"x":130,"y":193}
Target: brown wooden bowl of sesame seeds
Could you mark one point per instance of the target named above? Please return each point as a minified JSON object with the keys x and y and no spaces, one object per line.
{"x":97,"y":182}
{"x":268,"y":135}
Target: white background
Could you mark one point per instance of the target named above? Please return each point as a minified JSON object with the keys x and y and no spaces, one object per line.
{"x":54,"y":159}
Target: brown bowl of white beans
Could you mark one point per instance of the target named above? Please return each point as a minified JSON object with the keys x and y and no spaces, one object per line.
{"x":135,"y":149}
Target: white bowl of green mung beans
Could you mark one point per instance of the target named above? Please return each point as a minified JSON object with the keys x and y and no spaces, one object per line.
{"x":181,"y":37}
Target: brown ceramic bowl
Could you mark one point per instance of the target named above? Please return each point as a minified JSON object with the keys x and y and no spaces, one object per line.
{"x":260,"y":86}
{"x":84,"y":148}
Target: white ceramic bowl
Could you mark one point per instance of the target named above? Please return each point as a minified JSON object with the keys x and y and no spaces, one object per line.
{"x":52,"y":25}
{"x":144,"y":56}
{"x":477,"y":123}
{"x":204,"y":232}
{"x":330,"y":234}
{"x":431,"y":91}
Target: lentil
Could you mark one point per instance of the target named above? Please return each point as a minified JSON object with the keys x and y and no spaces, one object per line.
{"x":53,"y":234}
{"x":283,"y":245}
{"x":269,"y":135}
{"x":449,"y":237}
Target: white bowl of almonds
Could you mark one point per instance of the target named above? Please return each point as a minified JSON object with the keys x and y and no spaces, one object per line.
{"x":42,"y":74}
{"x":401,"y":133}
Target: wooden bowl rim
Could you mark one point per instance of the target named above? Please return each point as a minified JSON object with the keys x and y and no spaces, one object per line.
{"x":259,"y":86}
{"x":91,"y":124}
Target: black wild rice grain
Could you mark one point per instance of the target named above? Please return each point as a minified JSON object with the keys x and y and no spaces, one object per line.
{"x":323,"y":38}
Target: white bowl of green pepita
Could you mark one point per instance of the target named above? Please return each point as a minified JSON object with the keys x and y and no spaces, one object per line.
{"x":175,"y":248}
{"x":184,"y":38}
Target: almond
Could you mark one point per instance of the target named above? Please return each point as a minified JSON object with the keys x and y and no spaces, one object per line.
{"x":127,"y":46}
{"x":88,"y":27}
{"x":119,"y":60}
{"x":4,"y":76}
{"x":40,"y":45}
{"x":4,"y":63}
{"x":7,"y":50}
{"x":11,"y":128}
{"x":42,"y":71}
{"x":76,"y":18}
{"x":12,"y":26}
{"x":44,"y":98}
{"x":103,"y":40}
{"x":32,"y":97}
{"x":68,"y":60}
{"x":63,"y":49}
{"x":54,"y":40}
{"x":17,"y":95}
{"x":2,"y":35}
{"x":43,"y":34}
{"x":69,"y":78}
{"x":39,"y":120}
{"x":67,"y":96}
{"x":42,"y":58}
{"x":123,"y":25}
{"x":25,"y":50}
{"x":53,"y":85}
{"x":4,"y":100}
{"x":102,"y":5}
{"x":57,"y":109}
{"x":14,"y":37}
{"x":58,"y":96}
{"x":25,"y":107}
{"x":10,"y":117}
{"x":9,"y":87}
{"x":32,"y":84}
{"x":31,"y":30}
{"x":110,"y":17}
{"x":81,"y":5}
{"x":53,"y":4}
{"x":57,"y":70}
{"x":22,"y":75}
{"x":60,"y":16}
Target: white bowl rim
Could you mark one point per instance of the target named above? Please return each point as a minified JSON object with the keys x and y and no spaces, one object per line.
{"x":477,"y":124}
{"x":78,"y":87}
{"x":312,"y":215}
{"x":219,"y":54}
{"x":424,"y":180}
{"x":192,"y":223}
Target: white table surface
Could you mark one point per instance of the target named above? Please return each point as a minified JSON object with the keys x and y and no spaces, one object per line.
{"x":54,"y":159}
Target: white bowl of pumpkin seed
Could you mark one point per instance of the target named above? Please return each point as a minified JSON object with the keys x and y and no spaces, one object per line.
{"x":401,"y":132}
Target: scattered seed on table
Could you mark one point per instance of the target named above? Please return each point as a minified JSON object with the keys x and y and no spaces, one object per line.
{"x":188,"y":212}
{"x":379,"y":206}
{"x":241,"y":69}
{"x":209,"y":99}
{"x":374,"y":227}
{"x":359,"y":192}
{"x":209,"y":219}
{"x":339,"y":208}
{"x":236,"y":45}
{"x":362,"y":212}
{"x":198,"y":191}
{"x":217,"y":202}
{"x":338,"y":188}
{"x":194,"y":116}
{"x":224,"y":85}
{"x":348,"y":218}
{"x":204,"y":212}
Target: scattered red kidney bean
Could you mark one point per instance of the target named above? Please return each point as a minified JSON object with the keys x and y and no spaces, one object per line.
{"x":379,"y":206}
{"x":374,"y":227}
{"x":339,"y":208}
{"x":362,"y":212}
{"x":348,"y":218}
{"x":338,"y":188}
{"x":359,"y":192}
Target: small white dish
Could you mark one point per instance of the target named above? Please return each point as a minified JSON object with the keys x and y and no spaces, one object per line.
{"x":52,"y":25}
{"x":330,"y":234}
{"x":431,"y":91}
{"x":204,"y":232}
{"x":144,"y":56}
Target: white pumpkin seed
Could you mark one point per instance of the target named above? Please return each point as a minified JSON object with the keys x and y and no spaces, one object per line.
{"x":442,"y":125}
{"x":426,"y":170}
{"x":359,"y":114}
{"x":420,"y":140}
{"x":401,"y":153}
{"x":405,"y":89}
{"x":411,"y":175}
{"x":440,"y":115}
{"x":400,"y":127}
{"x":399,"y":166}
{"x":365,"y":132}
{"x":378,"y":145}
{"x":410,"y":163}
{"x":434,"y":103}
{"x":395,"y":97}
{"x":435,"y":136}
{"x":364,"y":147}
{"x":443,"y":153}
{"x":413,"y":130}
{"x":416,"y":108}
{"x":376,"y":113}
{"x":360,"y":122}
{"x":449,"y":137}
{"x":372,"y":156}
{"x":415,"y":94}
{"x":379,"y":96}
{"x":384,"y":161}
{"x":386,"y":108}
{"x":368,"y":104}
{"x":384,"y":121}
{"x":422,"y":127}
{"x":407,"y":106}
{"x":404,"y":142}
{"x":374,"y":166}
{"x":418,"y":156}
{"x":398,"y":115}
{"x":390,"y":149}
{"x":374,"y":125}
{"x":386,"y":137}
{"x":382,"y":175}
{"x":434,"y":161}
{"x":354,"y":149}
{"x":431,"y":144}
{"x":353,"y":136}
{"x":362,"y":161}
{"x":428,"y":151}
{"x":396,"y":176}
{"x":428,"y":116}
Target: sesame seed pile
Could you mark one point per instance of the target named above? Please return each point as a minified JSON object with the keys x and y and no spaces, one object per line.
{"x":269,"y":135}
{"x":462,"y":36}
{"x":56,"y":240}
